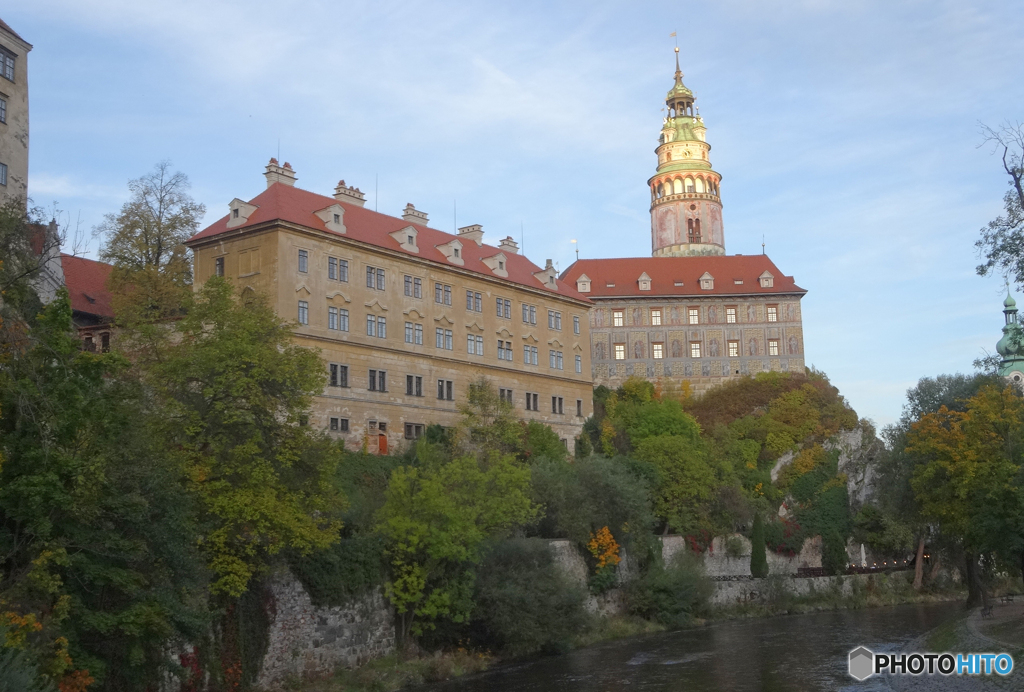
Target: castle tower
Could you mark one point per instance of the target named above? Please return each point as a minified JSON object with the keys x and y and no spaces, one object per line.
{"x":686,"y":210}
{"x":1011,"y":347}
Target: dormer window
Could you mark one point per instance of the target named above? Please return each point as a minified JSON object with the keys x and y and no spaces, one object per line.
{"x":457,"y":251}
{"x":234,"y":213}
{"x":337,"y":218}
{"x":583,"y":283}
{"x":767,"y":280}
{"x":644,"y":282}
{"x":501,"y":264}
{"x":707,"y":282}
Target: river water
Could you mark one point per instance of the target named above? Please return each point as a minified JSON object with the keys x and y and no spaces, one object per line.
{"x":778,"y":654}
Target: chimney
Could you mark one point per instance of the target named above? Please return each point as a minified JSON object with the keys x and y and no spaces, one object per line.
{"x":549,"y":266}
{"x":279,"y":174}
{"x":474,"y":233}
{"x":509,"y":245}
{"x":352,"y":195}
{"x":412,"y":216}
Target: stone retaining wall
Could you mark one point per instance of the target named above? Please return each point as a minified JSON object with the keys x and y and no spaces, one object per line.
{"x":311,"y":640}
{"x":761,"y":590}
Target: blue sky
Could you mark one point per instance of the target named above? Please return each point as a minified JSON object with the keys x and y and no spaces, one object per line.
{"x":846,"y":132}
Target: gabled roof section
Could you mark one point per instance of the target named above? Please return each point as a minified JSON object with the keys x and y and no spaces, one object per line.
{"x":680,"y":276}
{"x":297,"y":206}
{"x":86,"y":281}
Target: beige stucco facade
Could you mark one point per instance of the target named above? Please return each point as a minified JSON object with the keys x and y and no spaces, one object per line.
{"x":265,"y":259}
{"x":13,"y":114}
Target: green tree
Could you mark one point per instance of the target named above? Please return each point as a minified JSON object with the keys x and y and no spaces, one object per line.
{"x":434,"y":522}
{"x":236,"y":394}
{"x":833,"y":552}
{"x":1002,"y":240}
{"x":97,"y":542}
{"x":686,"y":482}
{"x":145,"y":241}
{"x":969,"y":481}
{"x":758,"y":558}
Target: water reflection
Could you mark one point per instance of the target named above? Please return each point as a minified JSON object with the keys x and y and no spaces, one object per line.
{"x":796,"y":653}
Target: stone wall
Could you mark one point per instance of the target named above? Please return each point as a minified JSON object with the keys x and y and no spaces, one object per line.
{"x":311,"y":640}
{"x":761,"y":590}
{"x":573,"y":565}
{"x":717,"y":562}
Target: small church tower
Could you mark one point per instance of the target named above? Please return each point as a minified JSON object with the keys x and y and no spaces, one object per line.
{"x":686,"y":210}
{"x":1011,"y":347}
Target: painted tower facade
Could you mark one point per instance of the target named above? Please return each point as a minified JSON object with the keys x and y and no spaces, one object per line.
{"x":1011,"y":347}
{"x":686,"y":208}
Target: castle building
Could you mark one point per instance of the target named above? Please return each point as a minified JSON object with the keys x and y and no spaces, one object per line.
{"x":690,"y":312}
{"x":405,"y":316}
{"x":13,"y":114}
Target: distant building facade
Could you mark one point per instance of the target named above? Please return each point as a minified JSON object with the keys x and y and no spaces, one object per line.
{"x":13,"y":114}
{"x":690,"y":312}
{"x":406,"y":316}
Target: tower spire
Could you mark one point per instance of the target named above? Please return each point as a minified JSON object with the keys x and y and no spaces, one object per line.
{"x":686,"y":210}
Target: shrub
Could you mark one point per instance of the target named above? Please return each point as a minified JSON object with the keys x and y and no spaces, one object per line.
{"x":582,"y":497}
{"x":671,"y":594}
{"x":17,"y":674}
{"x":833,"y":552}
{"x":348,"y":569}
{"x":523,"y":602}
{"x":758,"y":559}
{"x":734,"y":546}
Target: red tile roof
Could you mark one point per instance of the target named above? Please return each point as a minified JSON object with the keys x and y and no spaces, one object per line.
{"x":666,"y":272}
{"x":286,"y":203}
{"x":86,"y":280}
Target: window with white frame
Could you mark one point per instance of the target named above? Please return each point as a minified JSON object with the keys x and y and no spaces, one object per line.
{"x":442,"y":294}
{"x":474,"y":345}
{"x":617,"y":318}
{"x":529,"y":314}
{"x":504,"y":307}
{"x":773,"y":347}
{"x":575,"y":324}
{"x":772,"y":312}
{"x":303,"y":312}
{"x":695,"y":349}
{"x":554,"y":320}
{"x":657,"y":351}
{"x":530,"y":355}
{"x":375,"y":278}
{"x":7,"y":64}
{"x":474,"y":301}
{"x":730,"y":315}
{"x":413,"y":287}
{"x":337,"y":269}
{"x":693,"y":315}
{"x":504,"y":350}
{"x":620,"y":351}
{"x":3,"y":110}
{"x":734,"y":349}
{"x":656,"y":317}
{"x":443,"y":339}
{"x":555,"y":359}
{"x":579,"y":364}
{"x":303,"y":261}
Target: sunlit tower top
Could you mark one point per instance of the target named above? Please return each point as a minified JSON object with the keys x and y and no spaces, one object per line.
{"x":686,"y":210}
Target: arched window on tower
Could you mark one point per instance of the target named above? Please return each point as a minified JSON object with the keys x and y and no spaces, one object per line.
{"x":696,"y":231}
{"x":689,"y":231}
{"x":661,"y":190}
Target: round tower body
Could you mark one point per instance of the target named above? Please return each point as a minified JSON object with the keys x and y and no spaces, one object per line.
{"x":686,"y":207}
